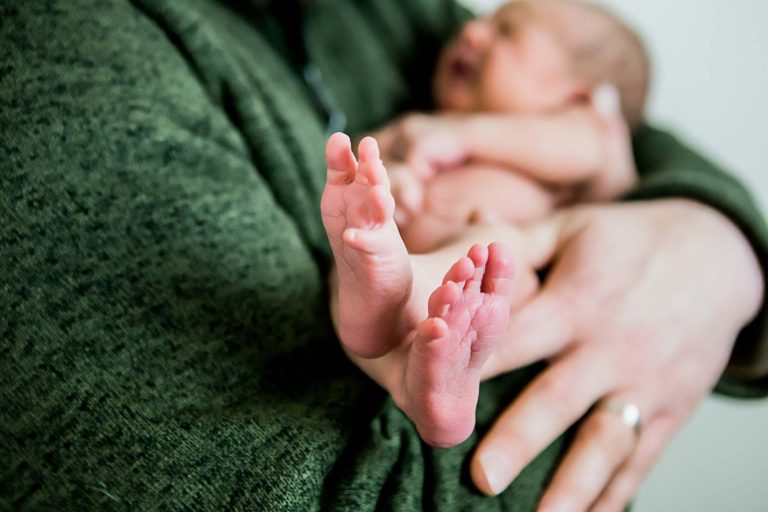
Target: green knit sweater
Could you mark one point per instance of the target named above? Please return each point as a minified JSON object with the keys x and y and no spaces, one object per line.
{"x":165,"y":341}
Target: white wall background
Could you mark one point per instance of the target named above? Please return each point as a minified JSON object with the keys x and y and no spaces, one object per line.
{"x":711,"y":87}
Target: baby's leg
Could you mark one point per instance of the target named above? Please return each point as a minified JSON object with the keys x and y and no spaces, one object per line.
{"x":432,"y":368}
{"x":434,"y":374}
{"x":376,"y":304}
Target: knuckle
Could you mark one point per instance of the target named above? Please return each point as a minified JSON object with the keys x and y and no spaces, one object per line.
{"x":605,"y":429}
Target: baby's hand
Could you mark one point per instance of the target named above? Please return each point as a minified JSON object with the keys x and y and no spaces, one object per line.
{"x":618,"y":174}
{"x":427,"y":143}
{"x":407,"y":189}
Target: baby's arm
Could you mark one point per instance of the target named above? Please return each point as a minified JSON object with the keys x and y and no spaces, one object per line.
{"x":577,"y":146}
{"x":587,"y":145}
{"x":559,"y":148}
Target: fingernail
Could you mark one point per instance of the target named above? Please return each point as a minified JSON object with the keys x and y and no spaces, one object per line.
{"x":606,"y":100}
{"x":497,"y":469}
{"x":557,"y":507}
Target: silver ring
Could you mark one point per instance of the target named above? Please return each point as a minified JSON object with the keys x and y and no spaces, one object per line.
{"x":627,"y":412}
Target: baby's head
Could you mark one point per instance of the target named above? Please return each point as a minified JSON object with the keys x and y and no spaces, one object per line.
{"x":540,"y":55}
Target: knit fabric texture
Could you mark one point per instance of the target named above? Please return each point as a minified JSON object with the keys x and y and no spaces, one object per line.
{"x":165,"y":340}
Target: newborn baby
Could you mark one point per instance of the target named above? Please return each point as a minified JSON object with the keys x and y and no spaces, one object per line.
{"x":530,"y":142}
{"x":523,"y":139}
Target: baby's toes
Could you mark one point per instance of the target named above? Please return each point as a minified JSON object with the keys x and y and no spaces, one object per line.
{"x":381,"y":204}
{"x":340,"y":160}
{"x":442,"y":299}
{"x":499,"y":271}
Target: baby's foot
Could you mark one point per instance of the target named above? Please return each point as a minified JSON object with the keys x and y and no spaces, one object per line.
{"x":373,"y":266}
{"x":468,"y":315}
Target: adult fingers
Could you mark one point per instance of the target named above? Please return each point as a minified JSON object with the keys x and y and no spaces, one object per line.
{"x":547,"y":407}
{"x":654,"y":438}
{"x":603,"y":443}
{"x":546,"y":325}
{"x":542,"y":328}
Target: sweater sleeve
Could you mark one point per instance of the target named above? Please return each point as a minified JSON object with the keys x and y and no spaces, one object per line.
{"x":166,"y":342}
{"x":668,"y":168}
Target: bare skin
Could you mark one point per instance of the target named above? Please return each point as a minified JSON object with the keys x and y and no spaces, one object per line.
{"x":503,"y":167}
{"x":636,"y":299}
{"x":468,"y":315}
{"x":432,"y":366}
{"x":374,"y":272}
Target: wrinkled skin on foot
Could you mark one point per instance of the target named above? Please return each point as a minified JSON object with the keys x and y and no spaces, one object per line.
{"x":468,"y":315}
{"x":373,"y":266}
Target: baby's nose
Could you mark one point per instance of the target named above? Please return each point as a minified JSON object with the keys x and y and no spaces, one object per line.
{"x":476,"y":34}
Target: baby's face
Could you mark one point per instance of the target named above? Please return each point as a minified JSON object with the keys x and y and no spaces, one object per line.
{"x":512,"y":61}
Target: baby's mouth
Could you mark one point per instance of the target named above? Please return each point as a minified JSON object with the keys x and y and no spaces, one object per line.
{"x":460,"y":69}
{"x":462,"y":66}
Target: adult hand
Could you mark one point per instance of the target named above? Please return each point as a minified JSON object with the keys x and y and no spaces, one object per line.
{"x":642,"y":305}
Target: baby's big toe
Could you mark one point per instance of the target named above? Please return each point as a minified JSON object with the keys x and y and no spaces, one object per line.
{"x":339,"y":158}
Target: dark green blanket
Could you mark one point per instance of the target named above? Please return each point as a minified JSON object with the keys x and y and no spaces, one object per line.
{"x":164,"y":334}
